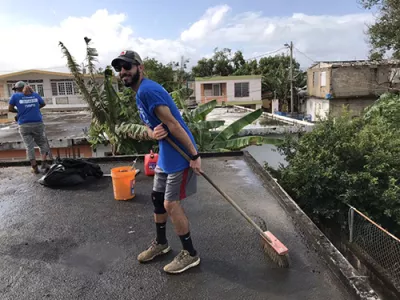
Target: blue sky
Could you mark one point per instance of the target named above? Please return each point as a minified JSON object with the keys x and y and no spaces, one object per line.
{"x":165,"y":19}
{"x":320,"y":29}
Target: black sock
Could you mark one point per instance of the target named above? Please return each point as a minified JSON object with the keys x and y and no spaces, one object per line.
{"x":187,"y":243}
{"x":161,"y":236}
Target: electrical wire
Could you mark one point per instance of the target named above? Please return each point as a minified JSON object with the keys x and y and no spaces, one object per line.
{"x":265,"y":54}
{"x":305,"y":55}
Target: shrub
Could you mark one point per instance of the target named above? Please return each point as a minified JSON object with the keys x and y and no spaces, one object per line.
{"x":348,"y":161}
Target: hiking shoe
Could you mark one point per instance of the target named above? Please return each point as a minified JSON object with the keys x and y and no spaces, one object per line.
{"x":182,"y":262}
{"x":154,"y":250}
{"x":35,"y":170}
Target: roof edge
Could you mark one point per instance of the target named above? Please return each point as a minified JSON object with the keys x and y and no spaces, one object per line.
{"x":43,"y":72}
{"x":230,"y":77}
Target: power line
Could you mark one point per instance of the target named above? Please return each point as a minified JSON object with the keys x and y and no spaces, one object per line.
{"x":305,"y":55}
{"x":268,"y":53}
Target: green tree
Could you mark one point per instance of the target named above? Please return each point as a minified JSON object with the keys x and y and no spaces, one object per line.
{"x":163,"y":74}
{"x":275,"y":71}
{"x":348,"y":161}
{"x":383,"y":34}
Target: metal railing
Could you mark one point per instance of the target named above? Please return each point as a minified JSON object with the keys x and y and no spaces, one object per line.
{"x":377,"y":246}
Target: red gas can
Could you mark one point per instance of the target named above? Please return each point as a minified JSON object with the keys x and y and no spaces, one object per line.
{"x":150,"y":162}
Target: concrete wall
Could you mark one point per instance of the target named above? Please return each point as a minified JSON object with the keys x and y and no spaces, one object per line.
{"x":360,"y":81}
{"x":350,"y":81}
{"x":19,"y":153}
{"x":355,"y":106}
{"x":322,"y":107}
{"x":254,"y":90}
{"x":315,"y":77}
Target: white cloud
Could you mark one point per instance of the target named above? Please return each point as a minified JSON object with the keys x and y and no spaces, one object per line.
{"x":321,"y":37}
{"x":210,"y":21}
{"x":37,"y":46}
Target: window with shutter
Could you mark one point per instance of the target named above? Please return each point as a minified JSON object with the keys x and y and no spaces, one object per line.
{"x":242,"y":89}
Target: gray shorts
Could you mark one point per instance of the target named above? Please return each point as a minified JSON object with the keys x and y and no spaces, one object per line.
{"x":176,"y":186}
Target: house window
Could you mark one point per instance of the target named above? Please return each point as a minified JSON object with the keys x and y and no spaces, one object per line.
{"x":63,"y":87}
{"x":37,"y":88}
{"x":36,"y":85}
{"x":212,"y":90}
{"x":242,"y":89}
{"x":9,"y":89}
{"x":315,"y":79}
{"x":323,"y":78}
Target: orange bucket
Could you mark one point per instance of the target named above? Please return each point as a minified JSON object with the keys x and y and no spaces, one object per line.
{"x":123,"y":179}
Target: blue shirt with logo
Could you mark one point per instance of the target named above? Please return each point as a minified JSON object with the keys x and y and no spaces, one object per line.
{"x":28,"y":107}
{"x":150,"y":95}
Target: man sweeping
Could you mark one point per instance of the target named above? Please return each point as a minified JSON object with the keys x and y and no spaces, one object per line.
{"x":175,"y":179}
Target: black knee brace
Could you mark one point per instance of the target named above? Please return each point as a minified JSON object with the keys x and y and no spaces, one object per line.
{"x":158,"y":201}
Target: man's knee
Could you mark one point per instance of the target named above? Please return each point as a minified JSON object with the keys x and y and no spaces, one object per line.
{"x":171,"y":206}
{"x":158,"y":202}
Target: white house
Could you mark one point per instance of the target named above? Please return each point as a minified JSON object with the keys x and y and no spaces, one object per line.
{"x":54,"y":87}
{"x":234,"y":90}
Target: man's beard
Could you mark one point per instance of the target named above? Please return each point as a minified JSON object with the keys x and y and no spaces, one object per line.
{"x":134,"y":81}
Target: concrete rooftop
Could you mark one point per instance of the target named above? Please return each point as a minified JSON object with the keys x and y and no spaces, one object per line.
{"x":79,"y":243}
{"x":75,"y":124}
{"x":59,"y":125}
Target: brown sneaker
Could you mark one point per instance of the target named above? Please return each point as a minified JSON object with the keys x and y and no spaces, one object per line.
{"x":153,"y":251}
{"x":182,"y":262}
{"x":35,"y":170}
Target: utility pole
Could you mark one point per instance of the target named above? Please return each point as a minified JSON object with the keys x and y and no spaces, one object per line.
{"x":291,"y":78}
{"x":181,"y":72}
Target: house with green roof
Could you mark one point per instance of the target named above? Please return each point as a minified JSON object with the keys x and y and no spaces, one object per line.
{"x":232,"y":90}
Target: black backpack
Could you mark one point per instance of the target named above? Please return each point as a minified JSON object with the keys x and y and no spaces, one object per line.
{"x":69,"y":172}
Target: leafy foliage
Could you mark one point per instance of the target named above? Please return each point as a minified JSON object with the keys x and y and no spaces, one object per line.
{"x":383,"y":34}
{"x":115,"y":119}
{"x":170,"y":76}
{"x":206,"y":133}
{"x":348,"y":161}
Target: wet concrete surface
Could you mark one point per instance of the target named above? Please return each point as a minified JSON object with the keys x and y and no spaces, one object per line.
{"x":59,"y":125}
{"x":79,"y":243}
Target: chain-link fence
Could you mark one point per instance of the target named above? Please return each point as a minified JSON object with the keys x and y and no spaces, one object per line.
{"x":376,"y":245}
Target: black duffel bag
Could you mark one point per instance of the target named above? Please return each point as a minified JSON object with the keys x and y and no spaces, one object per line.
{"x":70,"y":172}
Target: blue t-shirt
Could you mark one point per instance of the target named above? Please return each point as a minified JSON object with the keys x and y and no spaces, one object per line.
{"x":150,"y":95}
{"x":28,"y":107}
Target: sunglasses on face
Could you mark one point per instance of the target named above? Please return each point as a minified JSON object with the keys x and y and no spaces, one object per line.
{"x":126,"y":65}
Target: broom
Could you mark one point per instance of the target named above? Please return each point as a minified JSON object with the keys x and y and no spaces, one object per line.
{"x":276,"y":250}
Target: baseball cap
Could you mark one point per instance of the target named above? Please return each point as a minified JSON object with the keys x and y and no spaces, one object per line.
{"x":127,"y":56}
{"x":19,"y":85}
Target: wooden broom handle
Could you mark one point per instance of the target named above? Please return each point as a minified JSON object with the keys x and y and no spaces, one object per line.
{"x":227,"y":198}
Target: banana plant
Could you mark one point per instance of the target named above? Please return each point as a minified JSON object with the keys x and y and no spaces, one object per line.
{"x":114,"y":119}
{"x":206,"y":133}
